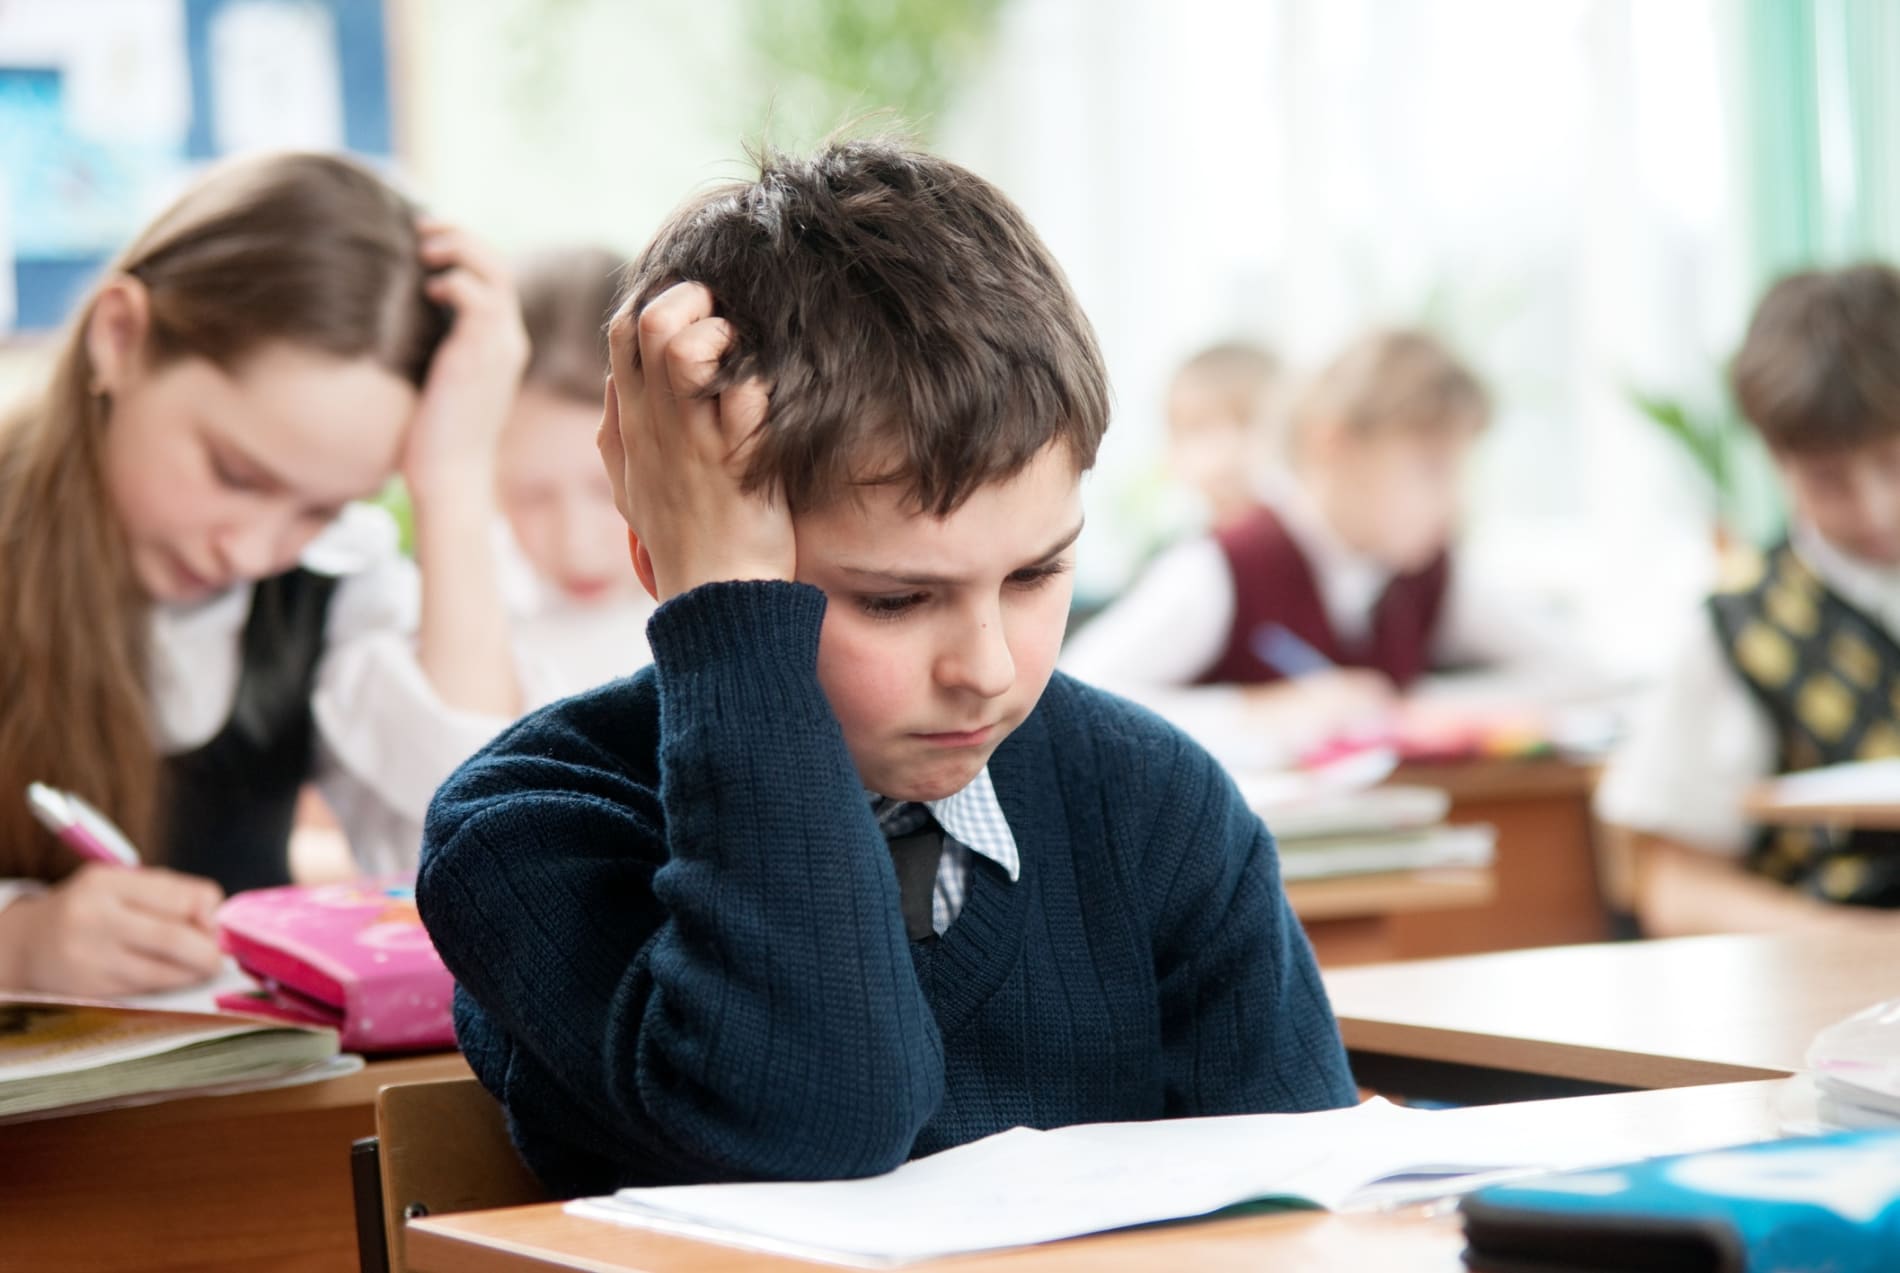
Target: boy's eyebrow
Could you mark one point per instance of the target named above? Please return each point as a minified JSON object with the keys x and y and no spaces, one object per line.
{"x":915,"y":580}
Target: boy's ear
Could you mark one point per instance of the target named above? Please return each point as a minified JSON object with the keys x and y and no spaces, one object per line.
{"x":115,"y":333}
{"x":642,"y":565}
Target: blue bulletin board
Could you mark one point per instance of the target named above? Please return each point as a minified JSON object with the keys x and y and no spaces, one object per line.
{"x":108,"y":107}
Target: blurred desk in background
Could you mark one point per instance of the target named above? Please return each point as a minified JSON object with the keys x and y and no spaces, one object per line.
{"x":1351,"y":918}
{"x":1544,"y":881}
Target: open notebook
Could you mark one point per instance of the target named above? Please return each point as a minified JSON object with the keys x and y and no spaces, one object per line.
{"x":1024,"y":1186}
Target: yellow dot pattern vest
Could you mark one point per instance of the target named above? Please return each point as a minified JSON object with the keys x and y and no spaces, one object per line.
{"x":1829,"y":678}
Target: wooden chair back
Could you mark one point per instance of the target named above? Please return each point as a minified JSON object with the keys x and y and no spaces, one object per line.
{"x":443,"y":1147}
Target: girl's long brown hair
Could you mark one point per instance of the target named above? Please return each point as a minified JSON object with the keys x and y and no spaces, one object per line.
{"x":311,"y":250}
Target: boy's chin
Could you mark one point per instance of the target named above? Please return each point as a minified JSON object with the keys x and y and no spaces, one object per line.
{"x":924,"y":783}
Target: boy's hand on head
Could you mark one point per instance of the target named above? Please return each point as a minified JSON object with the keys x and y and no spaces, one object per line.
{"x":676,"y":457}
{"x":476,"y":371}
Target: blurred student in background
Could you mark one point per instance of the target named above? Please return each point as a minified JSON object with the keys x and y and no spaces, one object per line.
{"x":195,"y":616}
{"x":1220,"y":427}
{"x":1309,"y":616}
{"x":578,"y":608}
{"x":1798,"y":667}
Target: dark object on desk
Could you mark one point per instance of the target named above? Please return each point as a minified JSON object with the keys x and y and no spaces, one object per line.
{"x":1828,"y":1202}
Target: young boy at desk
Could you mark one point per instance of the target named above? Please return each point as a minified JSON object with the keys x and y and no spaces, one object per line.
{"x":1307,"y":618}
{"x":1798,"y":667}
{"x":849,"y":875}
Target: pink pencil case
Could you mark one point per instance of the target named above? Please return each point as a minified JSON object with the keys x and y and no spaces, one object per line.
{"x":351,"y":956}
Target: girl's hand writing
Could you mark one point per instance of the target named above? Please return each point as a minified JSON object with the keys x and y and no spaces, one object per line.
{"x":108,"y":931}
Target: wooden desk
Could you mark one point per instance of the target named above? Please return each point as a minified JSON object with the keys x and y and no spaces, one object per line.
{"x":1615,"y":1015}
{"x":1351,"y":918}
{"x":1546,"y":887}
{"x":254,"y":1181}
{"x":520,"y":1239}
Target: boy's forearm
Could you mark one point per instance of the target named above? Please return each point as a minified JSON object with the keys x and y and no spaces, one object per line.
{"x":777,"y":870}
{"x":752,"y":1008}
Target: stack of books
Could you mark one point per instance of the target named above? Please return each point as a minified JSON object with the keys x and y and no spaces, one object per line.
{"x":70,"y":1056}
{"x":1323,"y":834}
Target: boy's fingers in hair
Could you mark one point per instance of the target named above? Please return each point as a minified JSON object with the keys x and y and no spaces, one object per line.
{"x":613,"y":449}
{"x":623,"y":349}
{"x":666,"y":315}
{"x":742,"y":409}
{"x":626,"y":389}
{"x":692,"y":356}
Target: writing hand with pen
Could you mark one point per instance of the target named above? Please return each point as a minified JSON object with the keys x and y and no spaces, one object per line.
{"x":1317,"y":700}
{"x":112,"y":927}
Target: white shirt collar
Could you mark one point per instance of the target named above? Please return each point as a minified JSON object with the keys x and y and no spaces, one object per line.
{"x":973,"y":817}
{"x":361,"y":536}
{"x":1864,"y":585}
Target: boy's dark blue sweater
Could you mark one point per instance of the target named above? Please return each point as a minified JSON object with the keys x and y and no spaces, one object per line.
{"x":677,"y":935}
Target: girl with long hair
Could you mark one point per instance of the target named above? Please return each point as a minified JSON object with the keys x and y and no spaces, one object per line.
{"x":195,"y":616}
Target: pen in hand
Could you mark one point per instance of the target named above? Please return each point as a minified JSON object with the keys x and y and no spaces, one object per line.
{"x":80,"y":827}
{"x":1287,"y":653}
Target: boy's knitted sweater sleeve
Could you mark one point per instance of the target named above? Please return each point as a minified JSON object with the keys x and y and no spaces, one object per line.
{"x":1245,"y":1023}
{"x":699,"y":972}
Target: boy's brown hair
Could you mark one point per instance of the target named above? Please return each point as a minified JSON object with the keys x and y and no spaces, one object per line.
{"x":1820,"y":367}
{"x":1392,"y":378}
{"x":567,"y":297}
{"x":912,"y":326}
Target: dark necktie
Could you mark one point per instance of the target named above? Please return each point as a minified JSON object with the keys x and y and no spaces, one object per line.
{"x":916,"y":844}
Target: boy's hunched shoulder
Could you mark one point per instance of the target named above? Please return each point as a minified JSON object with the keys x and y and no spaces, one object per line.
{"x":613,"y":725}
{"x":603,"y":714}
{"x":1121,"y":732}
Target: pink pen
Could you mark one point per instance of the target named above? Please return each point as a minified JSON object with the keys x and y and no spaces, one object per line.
{"x":80,"y":827}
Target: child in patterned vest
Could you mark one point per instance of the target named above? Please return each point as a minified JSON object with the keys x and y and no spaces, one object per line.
{"x":1797,"y":665}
